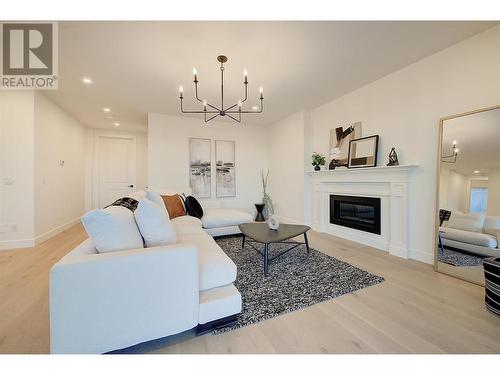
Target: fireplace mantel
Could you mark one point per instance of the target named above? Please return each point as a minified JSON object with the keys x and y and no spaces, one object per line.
{"x":390,"y":184}
{"x":399,"y":172}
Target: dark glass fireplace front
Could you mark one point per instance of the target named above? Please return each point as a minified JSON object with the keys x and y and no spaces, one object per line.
{"x":362,"y":213}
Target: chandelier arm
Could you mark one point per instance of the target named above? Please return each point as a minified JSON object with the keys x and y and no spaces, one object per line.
{"x":245,"y":112}
{"x":234,"y":118}
{"x":200,"y":112}
{"x":197,"y":98}
{"x":241,"y":101}
{"x":450,"y":161}
{"x":211,"y":118}
{"x":453,"y":152}
{"x":197,"y":112}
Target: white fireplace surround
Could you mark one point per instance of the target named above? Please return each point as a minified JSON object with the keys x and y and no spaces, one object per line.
{"x":390,"y":184}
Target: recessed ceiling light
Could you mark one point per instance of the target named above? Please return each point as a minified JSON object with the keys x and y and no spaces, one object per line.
{"x":255,"y":108}
{"x":106,"y":109}
{"x":476,"y":172}
{"x":87,"y":80}
{"x":116,"y":124}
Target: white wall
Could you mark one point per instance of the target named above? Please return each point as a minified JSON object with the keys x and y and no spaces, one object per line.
{"x":59,"y":190}
{"x":168,"y":155}
{"x":16,"y":165}
{"x":457,"y":192}
{"x":286,"y":167}
{"x":91,"y":201}
{"x":453,"y":190}
{"x":404,"y":108}
{"x":494,"y":192}
{"x":444,"y":175}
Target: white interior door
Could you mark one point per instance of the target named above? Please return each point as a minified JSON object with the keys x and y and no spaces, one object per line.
{"x":116,"y":166}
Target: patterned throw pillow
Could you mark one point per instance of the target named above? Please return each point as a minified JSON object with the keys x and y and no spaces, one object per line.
{"x":126,"y":202}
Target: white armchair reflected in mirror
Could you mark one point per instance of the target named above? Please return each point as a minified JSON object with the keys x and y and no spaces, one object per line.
{"x":468,"y":221}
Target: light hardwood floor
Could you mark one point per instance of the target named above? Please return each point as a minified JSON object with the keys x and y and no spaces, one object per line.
{"x":416,"y":310}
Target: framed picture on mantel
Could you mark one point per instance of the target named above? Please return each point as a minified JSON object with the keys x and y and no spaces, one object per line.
{"x":363,"y":152}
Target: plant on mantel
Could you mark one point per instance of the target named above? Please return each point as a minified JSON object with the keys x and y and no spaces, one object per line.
{"x":318,"y":160}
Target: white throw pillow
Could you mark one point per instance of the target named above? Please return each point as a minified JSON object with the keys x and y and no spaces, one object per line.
{"x":154,"y":197}
{"x":112,"y":229}
{"x":470,"y":222}
{"x":154,"y":224}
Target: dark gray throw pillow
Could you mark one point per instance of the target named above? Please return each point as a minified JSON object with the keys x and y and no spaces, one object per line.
{"x":193,"y":207}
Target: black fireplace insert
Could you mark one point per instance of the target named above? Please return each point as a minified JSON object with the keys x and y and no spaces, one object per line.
{"x":362,"y":213}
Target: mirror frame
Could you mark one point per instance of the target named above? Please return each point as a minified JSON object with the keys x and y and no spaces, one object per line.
{"x":438,"y":173}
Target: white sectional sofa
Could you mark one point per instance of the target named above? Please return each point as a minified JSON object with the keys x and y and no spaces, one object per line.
{"x":224,"y":221}
{"x":473,"y":233}
{"x":108,"y":301}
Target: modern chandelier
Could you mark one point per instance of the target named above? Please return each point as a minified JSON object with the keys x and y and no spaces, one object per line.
{"x":233,"y":111}
{"x":452,"y":157}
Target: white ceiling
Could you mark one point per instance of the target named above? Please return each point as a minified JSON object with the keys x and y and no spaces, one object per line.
{"x":137,"y":66}
{"x":478,"y":137}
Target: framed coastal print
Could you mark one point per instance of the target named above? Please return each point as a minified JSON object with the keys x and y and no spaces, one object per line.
{"x":363,"y":152}
{"x":225,"y":169}
{"x":200,"y":169}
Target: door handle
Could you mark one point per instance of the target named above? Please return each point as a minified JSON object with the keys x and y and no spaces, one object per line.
{"x":131,"y":186}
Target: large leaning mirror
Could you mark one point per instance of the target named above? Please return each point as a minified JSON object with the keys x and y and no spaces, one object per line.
{"x":468,"y":221}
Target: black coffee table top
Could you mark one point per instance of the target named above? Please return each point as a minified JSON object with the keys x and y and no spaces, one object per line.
{"x":260,"y":232}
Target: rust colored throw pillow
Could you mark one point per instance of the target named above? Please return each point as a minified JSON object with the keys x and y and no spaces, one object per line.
{"x":174,"y":205}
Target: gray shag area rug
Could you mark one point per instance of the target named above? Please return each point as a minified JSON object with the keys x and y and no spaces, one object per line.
{"x":459,"y":259}
{"x":295,"y":280}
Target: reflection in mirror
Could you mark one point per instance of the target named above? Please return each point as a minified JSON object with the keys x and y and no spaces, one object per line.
{"x":469,"y":194}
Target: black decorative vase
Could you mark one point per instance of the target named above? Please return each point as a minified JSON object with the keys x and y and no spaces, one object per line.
{"x":260,"y":216}
{"x":317,"y":168}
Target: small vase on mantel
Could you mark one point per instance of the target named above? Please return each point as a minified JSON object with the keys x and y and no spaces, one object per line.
{"x":317,"y":168}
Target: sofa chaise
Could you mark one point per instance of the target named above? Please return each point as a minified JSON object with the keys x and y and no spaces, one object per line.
{"x":472,"y":233}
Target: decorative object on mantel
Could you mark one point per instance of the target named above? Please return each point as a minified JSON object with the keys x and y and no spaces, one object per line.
{"x":266,"y":199}
{"x":260,"y":216}
{"x":393,"y":158}
{"x":451,"y":158}
{"x":339,"y":144}
{"x":233,"y":111}
{"x":317,"y":161}
{"x":273,"y":222}
{"x":363,"y":152}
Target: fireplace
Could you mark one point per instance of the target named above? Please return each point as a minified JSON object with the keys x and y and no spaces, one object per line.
{"x":362,"y":213}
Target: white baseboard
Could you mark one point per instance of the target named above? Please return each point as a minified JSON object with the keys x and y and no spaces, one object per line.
{"x":16,"y":244}
{"x":27,"y":243}
{"x":422,"y":256}
{"x":51,"y":233}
